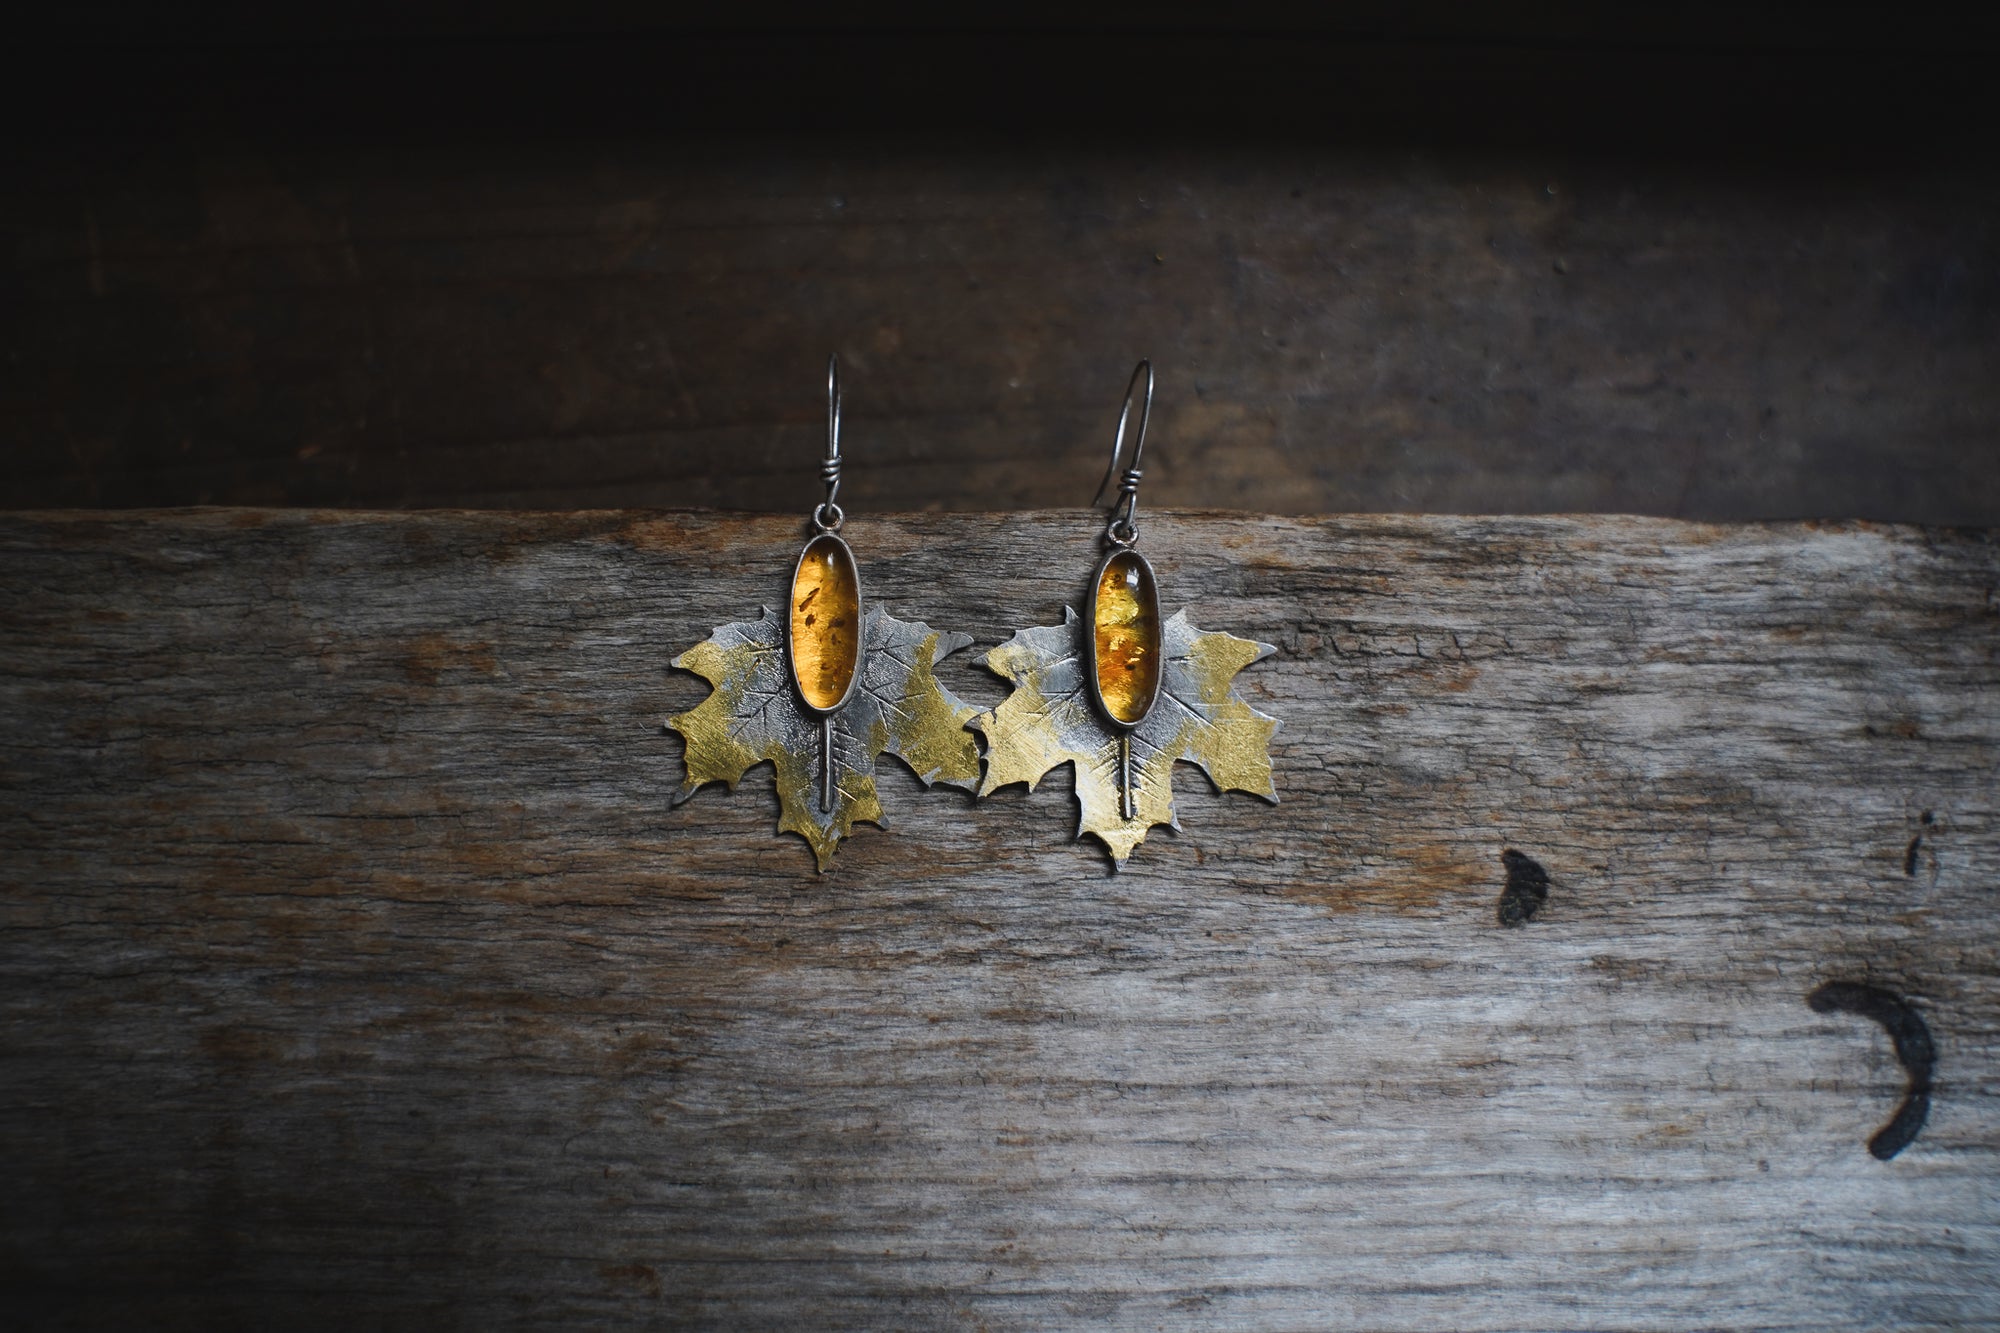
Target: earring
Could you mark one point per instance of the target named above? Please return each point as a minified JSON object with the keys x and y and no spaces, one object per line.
{"x":823,"y":689}
{"x":1120,"y":695}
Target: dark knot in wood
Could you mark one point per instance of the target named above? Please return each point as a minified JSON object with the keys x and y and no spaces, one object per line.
{"x":1527,"y":888}
{"x":1915,"y":1051}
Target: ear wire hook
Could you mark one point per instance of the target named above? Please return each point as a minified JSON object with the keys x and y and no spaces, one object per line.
{"x":828,"y":516}
{"x":1122,"y":529}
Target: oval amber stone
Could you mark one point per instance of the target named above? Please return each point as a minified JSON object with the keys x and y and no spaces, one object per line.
{"x":1125,"y":627}
{"x":826,"y":622}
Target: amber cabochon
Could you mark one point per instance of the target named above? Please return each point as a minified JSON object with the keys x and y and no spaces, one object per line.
{"x":824,"y":625}
{"x":1125,"y":638}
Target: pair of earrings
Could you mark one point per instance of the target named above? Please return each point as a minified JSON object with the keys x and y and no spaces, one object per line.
{"x":822,"y":689}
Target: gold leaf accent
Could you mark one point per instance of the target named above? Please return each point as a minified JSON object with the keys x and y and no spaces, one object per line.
{"x":1049,"y":720}
{"x":754,"y":716}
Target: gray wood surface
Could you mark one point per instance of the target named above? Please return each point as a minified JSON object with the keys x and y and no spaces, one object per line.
{"x":354,"y":970}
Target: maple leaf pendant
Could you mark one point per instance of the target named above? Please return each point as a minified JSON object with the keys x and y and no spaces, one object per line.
{"x":1123,"y":697}
{"x":1124,"y":778}
{"x":825,"y":766}
{"x":821,"y":690}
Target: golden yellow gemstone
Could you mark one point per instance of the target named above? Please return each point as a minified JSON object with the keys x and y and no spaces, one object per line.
{"x":826,"y":621}
{"x":1125,"y":618}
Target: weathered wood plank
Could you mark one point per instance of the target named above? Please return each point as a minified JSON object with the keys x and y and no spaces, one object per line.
{"x":603,"y":320}
{"x":355,"y":968}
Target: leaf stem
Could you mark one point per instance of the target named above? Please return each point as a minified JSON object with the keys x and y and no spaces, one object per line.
{"x":826,"y":764}
{"x":1127,"y":806}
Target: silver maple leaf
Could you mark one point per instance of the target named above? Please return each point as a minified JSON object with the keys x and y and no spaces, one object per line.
{"x":1049,"y":720}
{"x":753,"y":717}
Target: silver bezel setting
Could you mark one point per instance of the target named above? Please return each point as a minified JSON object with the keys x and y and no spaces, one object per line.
{"x":860,"y":628}
{"x":1090,"y":637}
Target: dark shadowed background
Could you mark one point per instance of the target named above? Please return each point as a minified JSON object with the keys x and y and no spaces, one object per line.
{"x":1717,"y":262}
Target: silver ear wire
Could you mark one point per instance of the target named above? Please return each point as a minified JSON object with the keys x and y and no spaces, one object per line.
{"x":828,"y":516}
{"x":1122,"y":529}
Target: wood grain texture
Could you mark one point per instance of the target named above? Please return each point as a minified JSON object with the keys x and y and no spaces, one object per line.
{"x":602,"y":317}
{"x":355,"y":970}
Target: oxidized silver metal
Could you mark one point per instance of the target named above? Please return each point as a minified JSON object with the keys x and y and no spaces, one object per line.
{"x":1121,"y":531}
